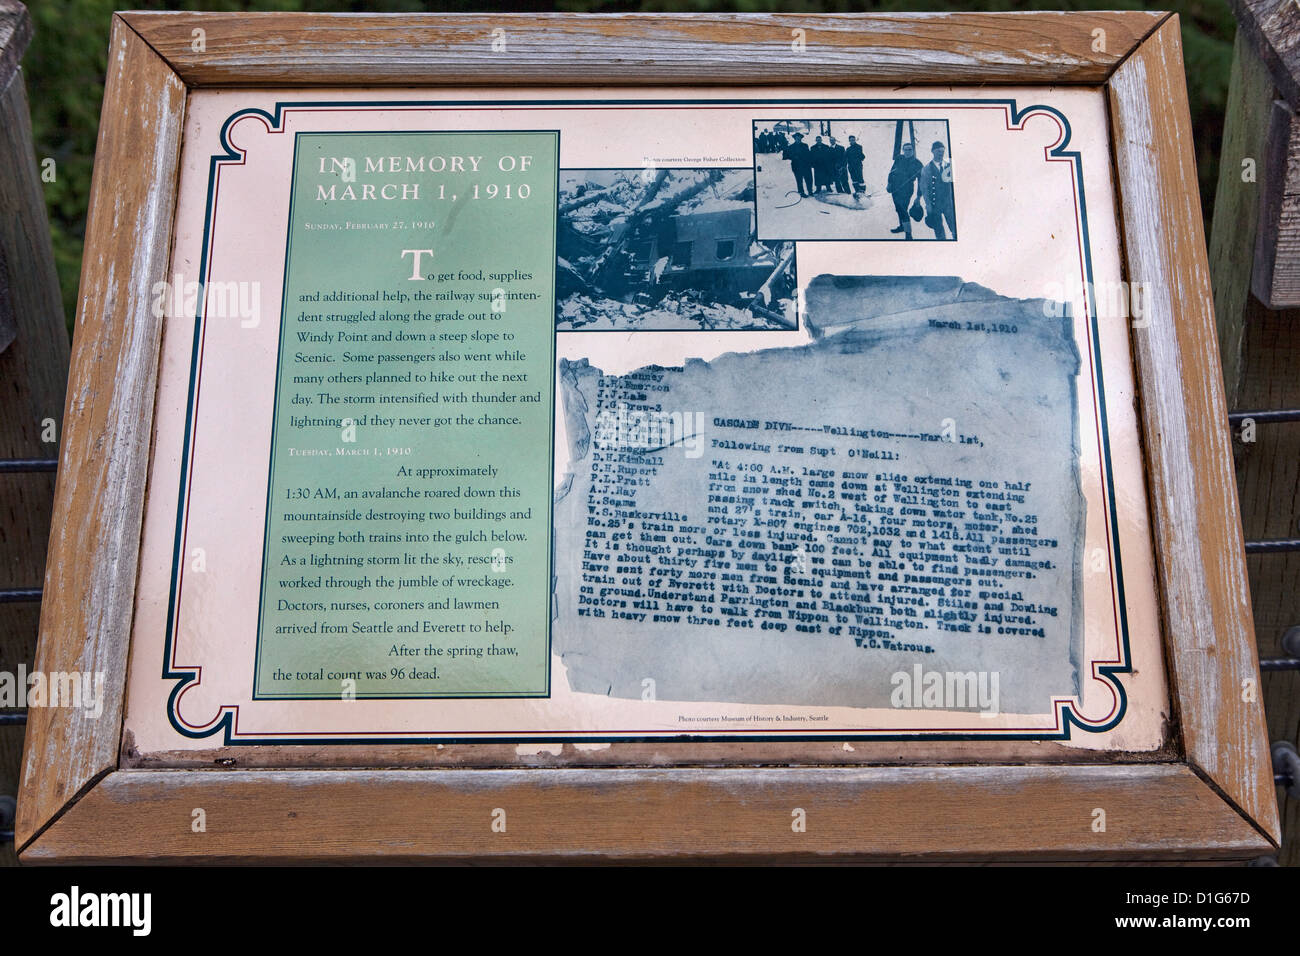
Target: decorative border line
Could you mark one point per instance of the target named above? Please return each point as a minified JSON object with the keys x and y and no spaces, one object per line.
{"x":1063,"y":709}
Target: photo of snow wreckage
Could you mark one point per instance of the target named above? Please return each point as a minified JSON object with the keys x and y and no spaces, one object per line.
{"x":660,"y":249}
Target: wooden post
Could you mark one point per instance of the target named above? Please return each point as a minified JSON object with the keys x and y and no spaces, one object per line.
{"x":1271,"y":30}
{"x":33,"y":372}
{"x":1237,"y":206}
{"x":1255,"y":265}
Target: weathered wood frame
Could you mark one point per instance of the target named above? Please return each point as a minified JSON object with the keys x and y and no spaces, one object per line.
{"x":1212,"y":800}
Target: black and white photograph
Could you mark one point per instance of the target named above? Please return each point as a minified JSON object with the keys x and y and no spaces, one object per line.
{"x":668,"y":249}
{"x":854,"y":179}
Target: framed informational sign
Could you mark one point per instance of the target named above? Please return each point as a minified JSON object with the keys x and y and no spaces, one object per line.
{"x":632,"y":437}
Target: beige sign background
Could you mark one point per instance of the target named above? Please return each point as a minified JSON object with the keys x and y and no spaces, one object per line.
{"x":1021,"y":221}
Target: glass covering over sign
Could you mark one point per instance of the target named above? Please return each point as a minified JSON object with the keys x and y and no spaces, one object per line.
{"x":695,"y":414}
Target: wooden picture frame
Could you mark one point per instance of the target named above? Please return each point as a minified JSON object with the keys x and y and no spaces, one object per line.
{"x":1207,"y":796}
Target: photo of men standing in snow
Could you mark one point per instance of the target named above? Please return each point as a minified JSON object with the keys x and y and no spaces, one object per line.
{"x":892,"y":181}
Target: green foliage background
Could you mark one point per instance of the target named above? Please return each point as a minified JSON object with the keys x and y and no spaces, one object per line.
{"x":66,"y":61}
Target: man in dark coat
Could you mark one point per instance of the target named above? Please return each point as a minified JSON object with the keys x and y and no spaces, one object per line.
{"x":800,"y":164}
{"x":839,"y":167}
{"x":822,"y":161}
{"x":853,"y":159}
{"x":936,"y":193}
{"x":901,"y":184}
